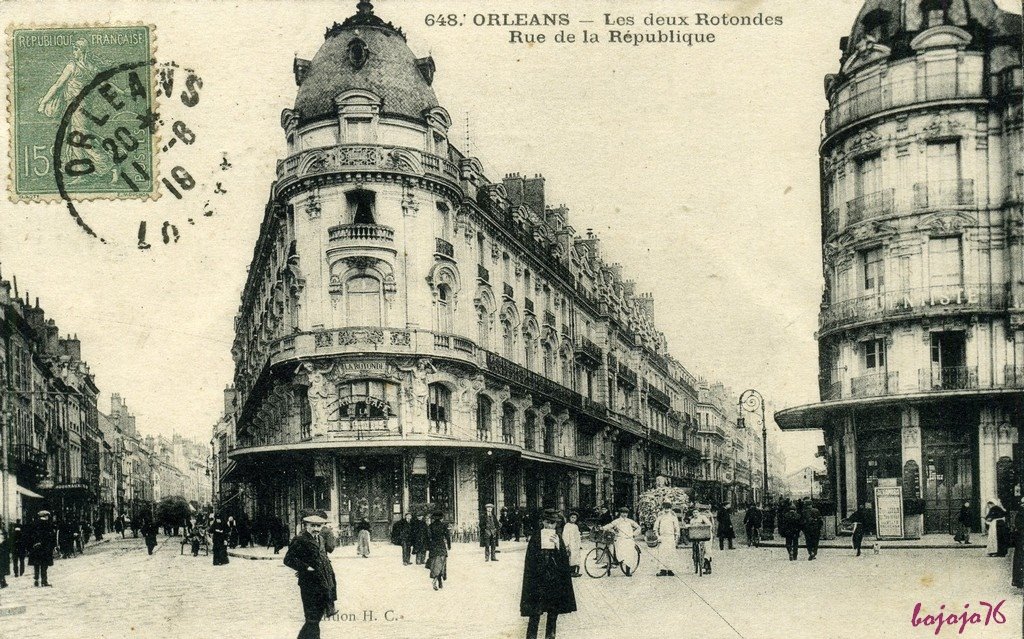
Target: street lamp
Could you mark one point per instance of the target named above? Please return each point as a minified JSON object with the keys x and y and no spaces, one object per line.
{"x":751,"y":401}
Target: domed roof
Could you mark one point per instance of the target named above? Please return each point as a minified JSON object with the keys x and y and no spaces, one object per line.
{"x":364,"y":53}
{"x":893,"y":23}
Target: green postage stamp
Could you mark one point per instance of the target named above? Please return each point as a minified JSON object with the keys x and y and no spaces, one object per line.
{"x":81,"y":108}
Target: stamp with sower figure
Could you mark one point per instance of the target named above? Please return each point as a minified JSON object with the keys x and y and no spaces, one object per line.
{"x":82,"y":112}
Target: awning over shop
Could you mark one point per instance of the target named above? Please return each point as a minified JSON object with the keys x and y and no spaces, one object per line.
{"x":26,"y":492}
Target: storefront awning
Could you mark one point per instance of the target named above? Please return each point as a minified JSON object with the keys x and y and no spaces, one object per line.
{"x":26,"y":492}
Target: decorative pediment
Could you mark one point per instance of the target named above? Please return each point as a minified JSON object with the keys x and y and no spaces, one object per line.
{"x":946,"y":223}
{"x":867,"y":142}
{"x":867,"y":51}
{"x":943,"y":36}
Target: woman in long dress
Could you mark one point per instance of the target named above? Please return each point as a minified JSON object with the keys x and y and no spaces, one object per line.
{"x":219,"y":532}
{"x":363,"y":541}
{"x":573,"y":543}
{"x":997,"y":532}
{"x":625,"y":530}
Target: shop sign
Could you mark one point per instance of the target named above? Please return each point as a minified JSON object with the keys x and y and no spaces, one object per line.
{"x":889,"y":512}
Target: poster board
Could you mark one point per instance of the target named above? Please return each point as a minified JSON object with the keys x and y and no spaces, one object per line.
{"x":889,"y":512}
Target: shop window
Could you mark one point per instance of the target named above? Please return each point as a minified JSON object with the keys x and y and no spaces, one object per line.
{"x":361,"y":206}
{"x":367,"y":399}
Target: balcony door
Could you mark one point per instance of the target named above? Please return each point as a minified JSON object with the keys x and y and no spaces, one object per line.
{"x":949,"y":360}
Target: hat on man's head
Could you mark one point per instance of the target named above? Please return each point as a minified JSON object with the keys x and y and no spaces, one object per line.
{"x":623,"y":510}
{"x":550,"y":514}
{"x":437,"y":513}
{"x":43,"y":513}
{"x":488,"y":505}
{"x":314,"y":519}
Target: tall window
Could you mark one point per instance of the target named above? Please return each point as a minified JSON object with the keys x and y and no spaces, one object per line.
{"x":508,"y":423}
{"x":530,"y":430}
{"x":566,"y":371}
{"x":945,"y":264}
{"x":441,"y":221}
{"x":444,"y":309}
{"x":874,"y":355}
{"x":874,"y":270}
{"x":483,"y":417}
{"x":508,"y":337}
{"x":361,"y":204}
{"x":483,"y":329}
{"x":439,"y":403}
{"x":528,"y":350}
{"x":550,"y":436}
{"x":943,"y":161}
{"x":363,"y":297}
{"x":869,"y":175}
{"x":549,"y":362}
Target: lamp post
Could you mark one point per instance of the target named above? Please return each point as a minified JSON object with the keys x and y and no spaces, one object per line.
{"x":751,"y":401}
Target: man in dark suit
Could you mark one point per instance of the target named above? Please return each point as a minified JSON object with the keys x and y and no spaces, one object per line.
{"x":812,"y":522}
{"x":41,"y":540}
{"x":401,"y":535}
{"x":489,"y":532}
{"x":318,"y":586}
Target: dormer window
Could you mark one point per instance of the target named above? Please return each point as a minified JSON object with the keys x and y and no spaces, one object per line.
{"x":935,"y":12}
{"x":361,"y":205}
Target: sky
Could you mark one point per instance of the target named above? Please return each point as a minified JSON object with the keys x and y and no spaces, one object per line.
{"x":696,"y":165}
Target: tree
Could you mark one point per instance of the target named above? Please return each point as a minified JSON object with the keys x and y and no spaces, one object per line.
{"x":173,"y":510}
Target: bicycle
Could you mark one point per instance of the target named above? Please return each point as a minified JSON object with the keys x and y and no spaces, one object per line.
{"x":602,"y":558}
{"x":699,"y":534}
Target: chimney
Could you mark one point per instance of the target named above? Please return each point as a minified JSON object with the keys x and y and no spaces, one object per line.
{"x":51,"y":338}
{"x":534,"y":194}
{"x":616,"y":270}
{"x":36,"y":318}
{"x":115,"y":403}
{"x":515,"y":188}
{"x":646,"y":301}
{"x":230,"y":399}
{"x":72,"y":347}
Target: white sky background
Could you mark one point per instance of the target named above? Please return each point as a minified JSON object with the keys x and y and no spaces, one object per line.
{"x":696,"y":165}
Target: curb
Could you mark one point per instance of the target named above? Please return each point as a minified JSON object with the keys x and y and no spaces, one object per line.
{"x":882,"y":546}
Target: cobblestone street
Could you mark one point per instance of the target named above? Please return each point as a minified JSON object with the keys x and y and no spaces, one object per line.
{"x":116,"y":590}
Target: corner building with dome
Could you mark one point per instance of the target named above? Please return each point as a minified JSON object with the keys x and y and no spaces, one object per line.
{"x":412,"y":333}
{"x":921,"y":327}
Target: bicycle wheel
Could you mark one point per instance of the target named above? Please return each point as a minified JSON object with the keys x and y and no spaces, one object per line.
{"x":596,"y":563}
{"x":631,"y":561}
{"x":700,"y":559}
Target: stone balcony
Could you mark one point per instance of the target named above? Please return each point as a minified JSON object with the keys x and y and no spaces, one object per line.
{"x":370,"y":240}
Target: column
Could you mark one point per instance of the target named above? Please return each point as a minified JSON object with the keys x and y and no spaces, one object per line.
{"x":499,"y":486}
{"x":911,"y":441}
{"x":850,"y":459}
{"x":988,"y":453}
{"x":466,"y":492}
{"x":335,"y":506}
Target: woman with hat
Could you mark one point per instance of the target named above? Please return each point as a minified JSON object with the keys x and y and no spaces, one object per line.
{"x":625,"y":530}
{"x":363,"y":538}
{"x":547,"y":579}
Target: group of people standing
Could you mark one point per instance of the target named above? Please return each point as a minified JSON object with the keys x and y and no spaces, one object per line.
{"x":35,"y":542}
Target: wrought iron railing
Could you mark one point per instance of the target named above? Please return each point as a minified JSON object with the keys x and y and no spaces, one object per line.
{"x":870,"y":205}
{"x":922,"y":301}
{"x":875,"y":384}
{"x":949,"y":378}
{"x":589,"y":350}
{"x":444,"y":247}
{"x":940,"y":193}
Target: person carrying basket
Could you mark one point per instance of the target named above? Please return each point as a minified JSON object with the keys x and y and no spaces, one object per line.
{"x":700,"y":529}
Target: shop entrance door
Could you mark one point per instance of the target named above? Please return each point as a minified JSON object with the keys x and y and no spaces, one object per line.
{"x":947,"y":479}
{"x":371,"y":489}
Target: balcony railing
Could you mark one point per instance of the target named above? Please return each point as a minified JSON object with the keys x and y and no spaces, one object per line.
{"x":870,"y":206}
{"x":875,"y":385}
{"x":830,"y":391}
{"x":444,"y":247}
{"x":943,"y":86}
{"x":659,"y":396}
{"x":348,"y":157}
{"x":949,"y":378}
{"x":374,"y":232}
{"x":943,"y":193}
{"x":482,"y":273}
{"x":1013,"y":376}
{"x":924,"y":301}
{"x":627,"y":375}
{"x":590,"y":351}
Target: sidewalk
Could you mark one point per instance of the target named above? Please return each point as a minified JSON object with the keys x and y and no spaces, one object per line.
{"x":944,"y":542}
{"x":377,"y":549}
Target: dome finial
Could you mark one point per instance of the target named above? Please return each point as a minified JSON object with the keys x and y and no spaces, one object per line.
{"x":365,"y":7}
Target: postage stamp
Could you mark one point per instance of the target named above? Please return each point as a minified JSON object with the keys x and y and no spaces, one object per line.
{"x":82,"y":113}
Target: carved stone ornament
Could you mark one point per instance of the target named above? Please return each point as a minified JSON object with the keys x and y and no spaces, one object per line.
{"x":361,"y":262}
{"x":943,"y":126}
{"x":946,"y":223}
{"x":313,"y":205}
{"x":357,"y":53}
{"x":866,"y":142}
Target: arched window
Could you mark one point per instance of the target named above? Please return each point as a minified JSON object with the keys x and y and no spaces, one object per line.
{"x":567,"y":371}
{"x":528,"y":350}
{"x":361,"y":206}
{"x":549,"y":362}
{"x":508,"y":337}
{"x":439,"y":407}
{"x":508,"y":423}
{"x":441,"y":222}
{"x":483,"y":417}
{"x":363,"y":296}
{"x":550,"y":439}
{"x":444,"y":309}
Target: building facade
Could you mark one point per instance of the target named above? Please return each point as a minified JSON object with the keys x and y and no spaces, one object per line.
{"x":412,"y":333}
{"x":921,"y":334}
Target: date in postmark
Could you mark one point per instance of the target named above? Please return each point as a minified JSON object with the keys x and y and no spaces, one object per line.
{"x":77,"y":132}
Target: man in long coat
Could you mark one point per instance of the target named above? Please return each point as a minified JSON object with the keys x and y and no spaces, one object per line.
{"x":41,"y":540}
{"x":489,"y":533}
{"x":420,"y":539}
{"x":401,"y":534}
{"x":547,"y":578}
{"x":726,"y":532}
{"x":318,"y":586}
{"x":812,"y":522}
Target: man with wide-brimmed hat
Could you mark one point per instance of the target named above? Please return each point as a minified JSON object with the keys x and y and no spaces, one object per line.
{"x":547,"y":578}
{"x":41,"y":542}
{"x":489,"y":532}
{"x":317,"y":584}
